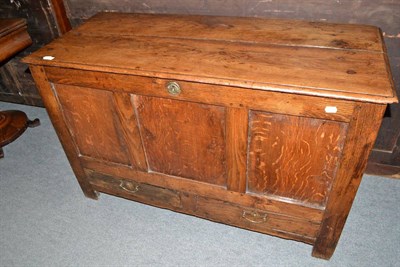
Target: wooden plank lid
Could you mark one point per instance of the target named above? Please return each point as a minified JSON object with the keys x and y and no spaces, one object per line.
{"x":332,"y":60}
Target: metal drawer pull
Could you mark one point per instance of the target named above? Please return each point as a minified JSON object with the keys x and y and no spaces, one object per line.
{"x":173,"y":88}
{"x":254,"y":216}
{"x":129,"y":186}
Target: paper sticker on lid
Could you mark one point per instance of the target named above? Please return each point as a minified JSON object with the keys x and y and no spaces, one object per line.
{"x":48,"y":58}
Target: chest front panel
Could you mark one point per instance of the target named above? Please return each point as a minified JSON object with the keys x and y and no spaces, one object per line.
{"x":285,"y":157}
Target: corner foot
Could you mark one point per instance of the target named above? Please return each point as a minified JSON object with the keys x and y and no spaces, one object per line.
{"x":92,"y":194}
{"x":325,"y":255}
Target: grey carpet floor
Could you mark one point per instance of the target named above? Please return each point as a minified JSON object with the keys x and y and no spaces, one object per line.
{"x":46,"y":221}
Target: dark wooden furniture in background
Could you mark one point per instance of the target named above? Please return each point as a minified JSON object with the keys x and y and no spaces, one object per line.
{"x":261,"y":124}
{"x":62,"y":20}
{"x":13,"y":38}
{"x":47,"y":20}
{"x":16,"y":83}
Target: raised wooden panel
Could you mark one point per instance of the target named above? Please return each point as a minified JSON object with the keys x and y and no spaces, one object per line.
{"x":183,"y":138}
{"x":293,"y":157}
{"x":93,"y":122}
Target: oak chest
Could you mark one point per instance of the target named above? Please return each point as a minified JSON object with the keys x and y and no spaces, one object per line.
{"x":261,"y":124}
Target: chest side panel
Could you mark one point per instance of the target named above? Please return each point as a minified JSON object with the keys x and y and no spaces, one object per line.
{"x":184,"y":139}
{"x":293,"y":157}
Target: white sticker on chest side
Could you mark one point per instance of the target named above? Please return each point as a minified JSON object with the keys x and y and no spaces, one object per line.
{"x":48,"y":58}
{"x":330,"y":109}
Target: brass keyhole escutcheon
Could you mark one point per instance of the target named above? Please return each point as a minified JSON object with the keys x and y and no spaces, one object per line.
{"x":173,"y":88}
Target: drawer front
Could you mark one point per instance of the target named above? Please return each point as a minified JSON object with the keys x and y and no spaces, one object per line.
{"x":133,"y":190}
{"x":234,"y":97}
{"x":256,"y":220}
{"x":208,"y":208}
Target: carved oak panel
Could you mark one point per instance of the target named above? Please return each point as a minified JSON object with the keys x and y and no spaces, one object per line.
{"x":293,"y":157}
{"x":93,"y":122}
{"x":186,"y":139}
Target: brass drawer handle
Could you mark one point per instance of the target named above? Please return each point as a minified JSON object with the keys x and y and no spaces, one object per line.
{"x":173,"y":88}
{"x":129,"y":186}
{"x":254,"y":216}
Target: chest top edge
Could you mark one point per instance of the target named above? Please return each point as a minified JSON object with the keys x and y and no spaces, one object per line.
{"x":310,"y":58}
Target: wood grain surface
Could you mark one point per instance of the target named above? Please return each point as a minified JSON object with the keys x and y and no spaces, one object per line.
{"x":199,"y":188}
{"x":142,"y":192}
{"x":93,"y":123}
{"x":131,"y":133}
{"x":236,"y":148}
{"x":276,"y":224}
{"x":359,"y":142}
{"x":293,"y":157}
{"x":255,"y":30}
{"x":311,"y":70}
{"x":229,"y":213}
{"x":183,"y":139}
{"x":228,"y":96}
{"x":376,"y":12}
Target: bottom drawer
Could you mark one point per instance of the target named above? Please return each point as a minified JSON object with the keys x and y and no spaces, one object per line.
{"x":257,"y":220}
{"x":130,"y":189}
{"x":216,"y":210}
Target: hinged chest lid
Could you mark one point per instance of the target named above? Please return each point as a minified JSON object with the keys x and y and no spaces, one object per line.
{"x":313,"y":58}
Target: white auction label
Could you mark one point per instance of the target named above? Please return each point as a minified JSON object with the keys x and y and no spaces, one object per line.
{"x":48,"y":58}
{"x":330,"y":109}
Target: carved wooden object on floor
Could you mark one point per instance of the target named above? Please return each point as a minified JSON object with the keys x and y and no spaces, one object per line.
{"x":13,"y":123}
{"x":223,"y":118}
